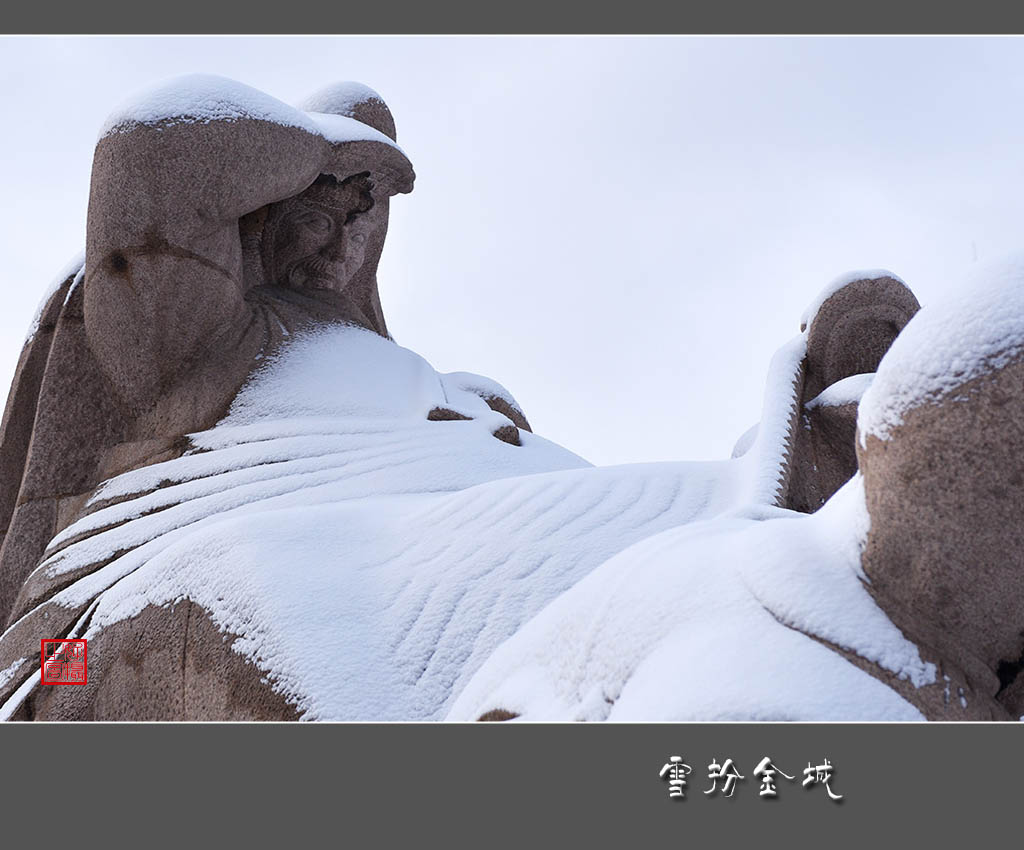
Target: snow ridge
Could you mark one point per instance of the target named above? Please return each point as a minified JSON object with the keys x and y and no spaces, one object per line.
{"x":74,"y":267}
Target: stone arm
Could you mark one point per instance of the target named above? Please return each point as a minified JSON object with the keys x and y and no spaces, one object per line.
{"x":164,"y":289}
{"x":156,"y":340}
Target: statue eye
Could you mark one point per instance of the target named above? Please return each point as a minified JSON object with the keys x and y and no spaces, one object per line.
{"x":316,"y":222}
{"x":359,"y":239}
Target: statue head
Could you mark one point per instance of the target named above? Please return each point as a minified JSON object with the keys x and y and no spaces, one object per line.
{"x":325,"y":243}
{"x":318,"y":238}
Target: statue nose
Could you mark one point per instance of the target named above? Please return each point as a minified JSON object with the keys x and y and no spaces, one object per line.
{"x":335,"y":251}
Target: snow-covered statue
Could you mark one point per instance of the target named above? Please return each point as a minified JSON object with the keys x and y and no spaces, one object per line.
{"x":218,"y":468}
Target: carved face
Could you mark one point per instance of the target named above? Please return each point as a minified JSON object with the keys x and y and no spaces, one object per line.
{"x":319,"y":241}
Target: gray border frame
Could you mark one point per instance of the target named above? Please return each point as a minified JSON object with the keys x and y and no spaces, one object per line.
{"x":640,"y":17}
{"x":506,"y":784}
{"x":485,"y":785}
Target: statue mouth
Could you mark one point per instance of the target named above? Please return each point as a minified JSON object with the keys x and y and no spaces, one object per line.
{"x":317,"y":273}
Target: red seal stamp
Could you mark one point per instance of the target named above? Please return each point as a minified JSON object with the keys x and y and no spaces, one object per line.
{"x":63,"y":662}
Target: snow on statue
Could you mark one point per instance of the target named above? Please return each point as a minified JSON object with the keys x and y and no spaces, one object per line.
{"x":218,"y":468}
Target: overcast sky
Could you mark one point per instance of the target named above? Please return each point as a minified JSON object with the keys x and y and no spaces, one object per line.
{"x":619,"y":230}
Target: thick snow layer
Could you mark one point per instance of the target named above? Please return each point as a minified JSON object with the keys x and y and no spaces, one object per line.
{"x":710,"y":622}
{"x":340,"y":98}
{"x":978,"y":329}
{"x":76,"y":266}
{"x":202,"y":98}
{"x":477,"y":385}
{"x":835,"y":285}
{"x":326,"y":497}
{"x":846,"y":391}
{"x":326,"y":510}
{"x":339,"y":128}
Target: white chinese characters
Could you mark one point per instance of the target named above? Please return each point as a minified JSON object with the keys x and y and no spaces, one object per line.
{"x":675,"y":771}
{"x":820,"y":774}
{"x":727,"y":772}
{"x":766,"y":771}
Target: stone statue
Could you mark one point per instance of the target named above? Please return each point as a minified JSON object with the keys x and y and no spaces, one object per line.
{"x":221,"y":224}
{"x":219,"y":468}
{"x":207,"y":244}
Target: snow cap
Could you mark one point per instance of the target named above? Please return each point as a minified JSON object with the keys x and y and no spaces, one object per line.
{"x":974,"y":331}
{"x":200,"y":99}
{"x":809,"y":315}
{"x":353,"y":100}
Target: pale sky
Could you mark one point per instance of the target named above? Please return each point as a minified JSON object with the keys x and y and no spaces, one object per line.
{"x":620,"y":230}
